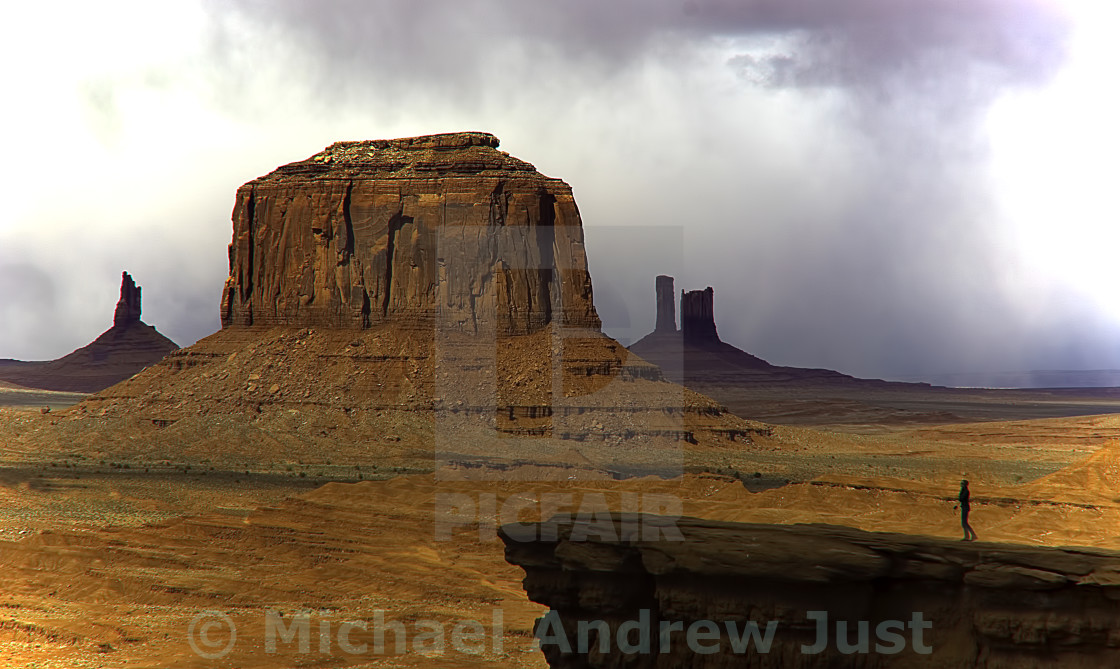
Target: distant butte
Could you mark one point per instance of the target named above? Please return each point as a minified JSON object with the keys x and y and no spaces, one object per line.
{"x":117,"y":354}
{"x":696,"y":347}
{"x":751,"y":387}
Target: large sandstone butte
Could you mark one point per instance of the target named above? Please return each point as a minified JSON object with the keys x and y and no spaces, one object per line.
{"x":408,"y":230}
{"x":117,"y":354}
{"x":422,"y":303}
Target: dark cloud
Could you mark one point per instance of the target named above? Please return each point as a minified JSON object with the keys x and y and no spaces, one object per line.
{"x":896,"y":64}
{"x":823,"y":160}
{"x":877,"y":253}
{"x":830,"y":42}
{"x":908,"y":68}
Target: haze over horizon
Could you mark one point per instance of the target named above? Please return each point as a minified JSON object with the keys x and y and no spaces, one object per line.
{"x":886,"y":188}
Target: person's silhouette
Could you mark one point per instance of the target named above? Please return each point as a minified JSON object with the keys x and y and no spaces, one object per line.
{"x":969,"y":535}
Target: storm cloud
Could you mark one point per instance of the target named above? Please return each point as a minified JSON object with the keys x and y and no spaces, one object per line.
{"x":823,"y":165}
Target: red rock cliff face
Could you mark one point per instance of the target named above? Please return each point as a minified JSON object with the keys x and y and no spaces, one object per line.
{"x":436,"y":229}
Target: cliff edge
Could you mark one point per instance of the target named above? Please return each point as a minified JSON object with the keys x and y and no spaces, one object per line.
{"x":718,"y":594}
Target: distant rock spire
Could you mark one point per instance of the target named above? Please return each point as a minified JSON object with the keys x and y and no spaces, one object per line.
{"x":666,"y":305}
{"x":698,"y":322}
{"x":128,"y":307}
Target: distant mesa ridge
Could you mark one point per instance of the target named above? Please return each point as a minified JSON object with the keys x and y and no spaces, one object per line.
{"x":696,"y":356}
{"x":409,"y":231}
{"x":127,"y":347}
{"x":694,"y":353}
{"x":755,"y":389}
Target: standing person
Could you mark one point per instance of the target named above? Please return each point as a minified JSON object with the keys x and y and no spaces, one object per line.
{"x":969,"y":535}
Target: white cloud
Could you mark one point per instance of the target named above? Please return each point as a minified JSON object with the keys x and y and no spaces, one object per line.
{"x":839,"y":201}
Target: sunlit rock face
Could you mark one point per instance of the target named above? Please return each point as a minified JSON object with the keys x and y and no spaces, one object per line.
{"x":440,"y":229}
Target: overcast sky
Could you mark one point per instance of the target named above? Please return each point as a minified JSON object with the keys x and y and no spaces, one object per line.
{"x":883,"y":187}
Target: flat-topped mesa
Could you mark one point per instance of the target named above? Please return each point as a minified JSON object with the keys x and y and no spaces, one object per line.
{"x":698,"y":322}
{"x":435,"y":229}
{"x":128,"y":307}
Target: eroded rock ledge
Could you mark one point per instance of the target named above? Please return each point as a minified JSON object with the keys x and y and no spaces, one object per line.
{"x":987,"y":605}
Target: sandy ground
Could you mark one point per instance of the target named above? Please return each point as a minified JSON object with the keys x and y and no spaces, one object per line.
{"x":106,"y":565}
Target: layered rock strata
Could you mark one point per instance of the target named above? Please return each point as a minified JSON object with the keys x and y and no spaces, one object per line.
{"x":440,"y":229}
{"x":883,"y":600}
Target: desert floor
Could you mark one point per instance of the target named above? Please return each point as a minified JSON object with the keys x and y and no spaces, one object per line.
{"x":106,"y":564}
